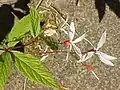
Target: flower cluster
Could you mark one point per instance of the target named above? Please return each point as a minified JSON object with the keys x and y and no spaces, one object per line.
{"x":71,"y":43}
{"x":106,"y":59}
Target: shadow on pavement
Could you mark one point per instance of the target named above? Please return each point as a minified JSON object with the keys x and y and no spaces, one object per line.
{"x":114,"y":5}
{"x":7,"y":17}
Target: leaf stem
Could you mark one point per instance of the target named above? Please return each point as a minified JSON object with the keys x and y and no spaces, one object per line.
{"x":26,"y":43}
{"x":56,"y":51}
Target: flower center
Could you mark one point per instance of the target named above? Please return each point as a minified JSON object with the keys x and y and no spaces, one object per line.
{"x":88,"y":67}
{"x":66,"y":43}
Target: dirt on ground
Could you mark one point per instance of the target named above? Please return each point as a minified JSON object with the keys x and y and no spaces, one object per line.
{"x":85,"y":17}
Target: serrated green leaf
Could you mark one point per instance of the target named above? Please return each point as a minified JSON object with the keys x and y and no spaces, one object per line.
{"x":35,"y":22}
{"x":33,"y":69}
{"x":19,"y":29}
{"x":5,"y":59}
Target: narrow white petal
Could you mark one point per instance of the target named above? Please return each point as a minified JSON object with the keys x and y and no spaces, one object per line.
{"x":102,"y":40}
{"x":70,"y":47}
{"x":104,"y":60}
{"x":72,"y":31}
{"x":86,"y":57}
{"x":67,"y":56}
{"x":77,"y":50}
{"x":89,"y":55}
{"x":82,"y":59}
{"x":108,"y":57}
{"x":79,"y":38}
{"x":79,"y":61}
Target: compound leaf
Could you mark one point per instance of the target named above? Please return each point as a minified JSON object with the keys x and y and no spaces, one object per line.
{"x":33,"y":69}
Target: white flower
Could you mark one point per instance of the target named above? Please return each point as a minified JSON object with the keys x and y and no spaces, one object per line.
{"x":71,"y":43}
{"x":102,"y":56}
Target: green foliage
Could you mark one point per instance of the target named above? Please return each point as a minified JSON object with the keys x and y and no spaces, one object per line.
{"x":33,"y":69}
{"x":18,"y":31}
{"x":28,"y":65}
{"x":28,"y":23}
{"x":35,"y":22}
{"x":5,"y":59}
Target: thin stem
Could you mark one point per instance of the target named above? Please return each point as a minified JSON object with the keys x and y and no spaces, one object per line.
{"x":53,"y":8}
{"x":89,"y":42}
{"x":25,"y":44}
{"x":90,"y":50}
{"x":47,"y":52}
{"x":56,"y":51}
{"x":32,"y":41}
{"x":39,"y":3}
{"x":95,"y":74}
{"x":24,"y":86}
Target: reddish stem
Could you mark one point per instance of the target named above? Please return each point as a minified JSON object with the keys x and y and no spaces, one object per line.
{"x":90,"y":50}
{"x":25,"y":44}
{"x":55,"y":51}
{"x":46,"y":52}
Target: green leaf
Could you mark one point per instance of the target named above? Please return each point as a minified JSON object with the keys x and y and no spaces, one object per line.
{"x":19,"y":29}
{"x":35,"y":22}
{"x":5,"y":59}
{"x":33,"y":69}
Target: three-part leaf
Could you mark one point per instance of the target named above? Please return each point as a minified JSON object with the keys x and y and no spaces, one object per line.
{"x":33,"y":69}
{"x":18,"y":30}
{"x":5,"y":59}
{"x":35,"y":22}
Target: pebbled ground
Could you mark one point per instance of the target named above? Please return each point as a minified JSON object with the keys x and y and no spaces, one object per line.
{"x":86,"y":19}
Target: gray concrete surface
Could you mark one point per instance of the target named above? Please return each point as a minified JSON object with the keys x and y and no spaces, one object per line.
{"x":86,"y":19}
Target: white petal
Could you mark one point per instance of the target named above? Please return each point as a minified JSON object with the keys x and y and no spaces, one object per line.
{"x":72,"y":31}
{"x":86,"y":57}
{"x":102,"y":40}
{"x":82,"y":59}
{"x":104,"y":60}
{"x":79,"y":38}
{"x":108,"y":57}
{"x":77,"y":50}
{"x":70,"y":47}
{"x":89,"y":55}
{"x":67,"y":56}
